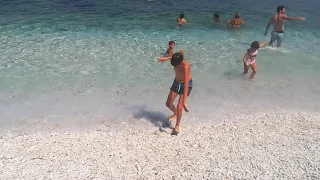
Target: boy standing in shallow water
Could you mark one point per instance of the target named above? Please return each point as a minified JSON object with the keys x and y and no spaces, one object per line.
{"x":169,"y":52}
{"x":182,"y":86}
{"x":249,"y":58}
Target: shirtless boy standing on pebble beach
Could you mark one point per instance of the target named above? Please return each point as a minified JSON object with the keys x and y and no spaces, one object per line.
{"x":182,"y":85}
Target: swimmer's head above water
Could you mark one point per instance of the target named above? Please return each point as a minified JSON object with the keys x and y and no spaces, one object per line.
{"x":181,"y":15}
{"x":176,"y":59}
{"x":237,"y":15}
{"x":172,"y":44}
{"x":216,"y":15}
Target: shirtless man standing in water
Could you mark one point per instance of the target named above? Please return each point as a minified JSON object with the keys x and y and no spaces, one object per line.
{"x":182,"y":86}
{"x":278,"y":25}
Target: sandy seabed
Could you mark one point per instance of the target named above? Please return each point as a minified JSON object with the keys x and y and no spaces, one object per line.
{"x":279,"y":145}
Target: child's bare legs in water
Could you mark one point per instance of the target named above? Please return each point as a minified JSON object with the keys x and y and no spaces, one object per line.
{"x":254,"y":70}
{"x":245,"y":68}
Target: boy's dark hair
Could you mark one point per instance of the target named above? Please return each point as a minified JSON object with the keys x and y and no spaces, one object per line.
{"x":216,"y":15}
{"x":255,"y":45}
{"x":181,"y":15}
{"x":176,"y":59}
{"x":237,"y":15}
{"x":280,"y":8}
{"x":171,"y":42}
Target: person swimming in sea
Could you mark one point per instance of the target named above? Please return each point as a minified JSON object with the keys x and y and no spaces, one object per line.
{"x":182,"y":86}
{"x":181,"y":19}
{"x":236,"y":22}
{"x":216,"y":18}
{"x":249,"y":59}
{"x":169,"y":52}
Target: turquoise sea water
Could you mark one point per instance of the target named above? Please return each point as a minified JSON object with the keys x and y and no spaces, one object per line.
{"x":86,"y":62}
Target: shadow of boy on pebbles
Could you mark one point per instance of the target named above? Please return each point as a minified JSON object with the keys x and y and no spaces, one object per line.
{"x":159,"y":119}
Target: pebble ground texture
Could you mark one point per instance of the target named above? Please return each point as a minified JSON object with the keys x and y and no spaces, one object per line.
{"x":264,"y":146}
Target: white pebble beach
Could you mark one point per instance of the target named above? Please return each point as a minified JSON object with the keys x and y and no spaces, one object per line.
{"x":262,"y":146}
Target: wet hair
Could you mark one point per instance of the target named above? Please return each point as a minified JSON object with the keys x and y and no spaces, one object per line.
{"x":237,"y":15}
{"x":216,"y":15}
{"x":280,"y":8}
{"x":181,"y":15}
{"x":255,"y":45}
{"x":176,"y":59}
{"x":171,"y":42}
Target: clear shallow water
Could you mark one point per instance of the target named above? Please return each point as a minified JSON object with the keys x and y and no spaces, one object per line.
{"x":87,"y":62}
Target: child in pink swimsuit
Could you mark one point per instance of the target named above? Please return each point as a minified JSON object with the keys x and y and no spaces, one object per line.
{"x":249,"y":59}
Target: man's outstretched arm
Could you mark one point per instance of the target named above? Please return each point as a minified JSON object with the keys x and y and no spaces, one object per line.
{"x":293,"y":19}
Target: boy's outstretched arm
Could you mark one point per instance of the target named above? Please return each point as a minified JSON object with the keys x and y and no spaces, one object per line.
{"x":169,"y":52}
{"x":186,"y":69}
{"x":263,"y":44}
{"x":161,"y":59}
